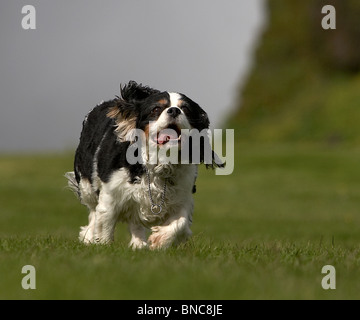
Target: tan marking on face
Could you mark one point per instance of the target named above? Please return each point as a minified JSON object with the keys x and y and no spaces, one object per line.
{"x":180,"y":103}
{"x":163,"y":102}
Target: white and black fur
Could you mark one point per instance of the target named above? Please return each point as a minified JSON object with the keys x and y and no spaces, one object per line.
{"x":114,"y":190}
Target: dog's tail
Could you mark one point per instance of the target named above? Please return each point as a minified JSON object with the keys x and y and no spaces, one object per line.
{"x":72,"y":183}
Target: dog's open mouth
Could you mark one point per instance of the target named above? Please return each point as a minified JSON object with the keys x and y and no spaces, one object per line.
{"x":170,"y":134}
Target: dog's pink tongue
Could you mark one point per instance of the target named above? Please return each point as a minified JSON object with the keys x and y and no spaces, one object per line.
{"x":166,"y":135}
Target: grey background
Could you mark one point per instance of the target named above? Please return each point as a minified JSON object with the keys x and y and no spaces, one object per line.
{"x":82,"y":50}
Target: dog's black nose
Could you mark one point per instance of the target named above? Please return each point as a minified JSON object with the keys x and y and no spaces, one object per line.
{"x":174,"y":112}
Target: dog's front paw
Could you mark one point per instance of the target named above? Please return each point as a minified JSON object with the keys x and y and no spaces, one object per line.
{"x":159,"y":239}
{"x":154,"y":241}
{"x":86,"y":235}
{"x":136,"y":244}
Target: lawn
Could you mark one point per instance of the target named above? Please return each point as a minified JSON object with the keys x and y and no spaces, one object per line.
{"x":264,"y":232}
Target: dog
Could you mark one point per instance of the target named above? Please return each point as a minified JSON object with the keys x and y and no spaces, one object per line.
{"x":147,"y":195}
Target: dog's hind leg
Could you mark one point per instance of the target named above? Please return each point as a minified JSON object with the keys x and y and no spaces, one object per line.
{"x":88,"y":233}
{"x":106,"y":218}
{"x":89,"y":198}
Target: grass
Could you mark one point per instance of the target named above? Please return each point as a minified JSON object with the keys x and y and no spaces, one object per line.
{"x":264,"y":232}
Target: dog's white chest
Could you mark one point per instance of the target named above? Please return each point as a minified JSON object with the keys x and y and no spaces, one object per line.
{"x":164,"y":191}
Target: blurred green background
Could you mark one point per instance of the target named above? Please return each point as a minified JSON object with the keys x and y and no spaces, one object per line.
{"x":290,"y":207}
{"x":304,"y":85}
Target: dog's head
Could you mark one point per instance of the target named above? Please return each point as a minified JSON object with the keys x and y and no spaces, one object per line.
{"x":160,"y":115}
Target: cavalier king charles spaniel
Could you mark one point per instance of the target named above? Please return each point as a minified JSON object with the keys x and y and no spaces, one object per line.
{"x":137,"y":163}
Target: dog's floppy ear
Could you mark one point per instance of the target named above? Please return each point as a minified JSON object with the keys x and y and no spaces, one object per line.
{"x":203,"y":122}
{"x":200,"y":150}
{"x":200,"y":123}
{"x":126,"y":110}
{"x":131,"y":95}
{"x":135,"y":93}
{"x":216,"y":162}
{"x":209,"y":158}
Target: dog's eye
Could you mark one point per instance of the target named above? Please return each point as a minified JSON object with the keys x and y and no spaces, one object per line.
{"x":156,"y":110}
